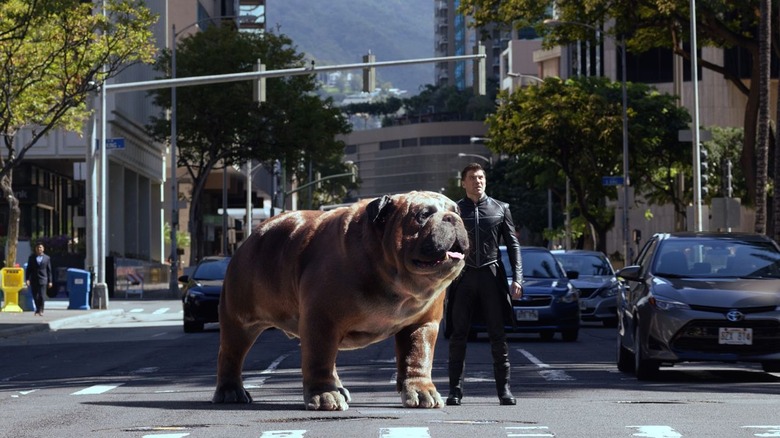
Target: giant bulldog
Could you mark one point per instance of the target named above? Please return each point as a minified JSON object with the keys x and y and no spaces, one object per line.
{"x":344,"y":279}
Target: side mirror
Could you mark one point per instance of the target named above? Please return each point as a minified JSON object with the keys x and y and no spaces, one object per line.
{"x":184,"y":278}
{"x":572,"y":275}
{"x":630,"y":273}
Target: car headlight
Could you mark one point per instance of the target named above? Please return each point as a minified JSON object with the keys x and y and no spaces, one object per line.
{"x":666,"y":303}
{"x":572,"y":295}
{"x":610,"y":291}
{"x":194,"y":293}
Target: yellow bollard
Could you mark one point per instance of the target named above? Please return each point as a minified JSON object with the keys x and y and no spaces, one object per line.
{"x":12,"y":281}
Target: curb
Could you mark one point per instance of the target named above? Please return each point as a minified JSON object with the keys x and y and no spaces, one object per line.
{"x":60,"y":323}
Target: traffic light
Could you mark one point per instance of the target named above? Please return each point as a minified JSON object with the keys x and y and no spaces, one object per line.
{"x":258,"y":89}
{"x":704,"y":173}
{"x":728,"y":190}
{"x":369,"y":73}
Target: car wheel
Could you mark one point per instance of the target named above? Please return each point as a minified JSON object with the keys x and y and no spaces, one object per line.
{"x":570,"y":335}
{"x":644,"y":369}
{"x":771,"y":367}
{"x":193,"y":327}
{"x":547,"y":335}
{"x":625,"y":360}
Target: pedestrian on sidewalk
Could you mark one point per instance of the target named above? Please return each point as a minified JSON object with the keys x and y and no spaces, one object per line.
{"x":38,"y":276}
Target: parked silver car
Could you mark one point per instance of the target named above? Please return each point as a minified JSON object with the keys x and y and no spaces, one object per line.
{"x":694,"y":297}
{"x":597,"y":282}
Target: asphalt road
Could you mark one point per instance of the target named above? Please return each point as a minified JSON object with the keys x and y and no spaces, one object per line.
{"x":136,"y":374}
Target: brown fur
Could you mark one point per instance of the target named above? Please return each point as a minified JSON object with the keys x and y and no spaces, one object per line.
{"x":344,"y":279}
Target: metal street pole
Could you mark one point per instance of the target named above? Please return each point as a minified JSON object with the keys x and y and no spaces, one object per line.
{"x":626,"y":181}
{"x":173,"y":283}
{"x":695,"y":128}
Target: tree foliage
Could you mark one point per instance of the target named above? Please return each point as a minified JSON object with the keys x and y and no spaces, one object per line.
{"x":654,"y":24}
{"x":53,"y":54}
{"x":576,"y":126}
{"x":221,"y":124}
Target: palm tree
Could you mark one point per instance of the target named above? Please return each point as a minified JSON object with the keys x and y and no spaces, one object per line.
{"x":762,"y":146}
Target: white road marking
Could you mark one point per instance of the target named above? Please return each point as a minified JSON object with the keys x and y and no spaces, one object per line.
{"x":167,"y":435}
{"x":655,"y":432}
{"x":136,"y":310}
{"x":518,"y":431}
{"x":283,"y":433}
{"x":258,"y":382}
{"x":404,"y":432}
{"x":146,"y":370}
{"x":548,"y":375}
{"x":771,"y":431}
{"x":161,"y":310}
{"x":96,"y":389}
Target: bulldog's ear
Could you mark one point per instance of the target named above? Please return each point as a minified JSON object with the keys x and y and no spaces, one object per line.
{"x":378,"y":209}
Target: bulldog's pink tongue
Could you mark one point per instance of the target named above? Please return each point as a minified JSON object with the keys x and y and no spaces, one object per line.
{"x":455,"y":255}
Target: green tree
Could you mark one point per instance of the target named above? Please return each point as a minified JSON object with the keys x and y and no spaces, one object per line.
{"x":654,"y":24}
{"x":576,"y":125}
{"x":52,"y":55}
{"x":221,"y":124}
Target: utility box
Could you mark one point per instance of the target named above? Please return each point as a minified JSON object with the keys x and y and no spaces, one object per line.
{"x":78,"y":289}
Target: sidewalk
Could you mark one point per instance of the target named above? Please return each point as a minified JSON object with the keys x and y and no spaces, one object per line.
{"x":56,"y":315}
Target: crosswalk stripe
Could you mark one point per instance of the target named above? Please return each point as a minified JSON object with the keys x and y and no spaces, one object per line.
{"x":766,"y":431}
{"x":404,"y":432}
{"x":528,"y":431}
{"x":160,"y":311}
{"x":655,"y":432}
{"x":96,"y":389}
{"x":548,"y":374}
{"x":283,"y":433}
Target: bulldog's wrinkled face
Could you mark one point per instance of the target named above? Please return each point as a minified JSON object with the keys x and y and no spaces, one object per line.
{"x":428,"y":233}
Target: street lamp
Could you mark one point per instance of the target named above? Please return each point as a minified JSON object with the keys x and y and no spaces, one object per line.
{"x":488,"y":159}
{"x":626,"y":180}
{"x":524,"y":76}
{"x":173,"y":281}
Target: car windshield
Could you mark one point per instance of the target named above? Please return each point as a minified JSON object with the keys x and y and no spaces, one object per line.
{"x":585,"y":264}
{"x":717,"y":258}
{"x":211,"y":270}
{"x":536,"y":264}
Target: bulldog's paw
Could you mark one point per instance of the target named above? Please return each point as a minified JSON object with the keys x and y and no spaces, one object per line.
{"x":421,"y":396}
{"x":328,"y":400}
{"x":231,"y":394}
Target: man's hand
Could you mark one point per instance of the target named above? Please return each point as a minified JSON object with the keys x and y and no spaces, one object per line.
{"x":517,"y":290}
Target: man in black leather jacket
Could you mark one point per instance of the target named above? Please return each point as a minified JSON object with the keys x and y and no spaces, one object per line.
{"x":482,"y":284}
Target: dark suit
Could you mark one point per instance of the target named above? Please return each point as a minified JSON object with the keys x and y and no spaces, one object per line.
{"x":39,"y":275}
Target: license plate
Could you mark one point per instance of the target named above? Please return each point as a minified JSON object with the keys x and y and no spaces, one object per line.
{"x":735,"y":336}
{"x":527,"y":314}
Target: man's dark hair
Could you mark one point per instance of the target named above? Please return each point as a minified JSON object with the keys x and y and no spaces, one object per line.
{"x":472,"y":167}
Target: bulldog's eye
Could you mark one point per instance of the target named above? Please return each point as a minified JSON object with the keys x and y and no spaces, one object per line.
{"x":424,"y":214}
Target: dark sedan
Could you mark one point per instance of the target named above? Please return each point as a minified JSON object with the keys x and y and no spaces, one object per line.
{"x":694,"y":297}
{"x":550,"y":303}
{"x":597,"y":283}
{"x":201,"y":293}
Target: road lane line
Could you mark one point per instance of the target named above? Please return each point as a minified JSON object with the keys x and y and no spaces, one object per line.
{"x":548,"y":375}
{"x":96,"y":389}
{"x":258,"y":382}
{"x":160,"y":311}
{"x":655,"y":432}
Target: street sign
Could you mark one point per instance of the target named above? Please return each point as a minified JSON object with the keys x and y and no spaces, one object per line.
{"x":115,"y":143}
{"x":112,"y":143}
{"x":612,"y":180}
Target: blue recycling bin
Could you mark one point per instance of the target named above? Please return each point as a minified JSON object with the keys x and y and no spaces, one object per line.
{"x":78,"y":289}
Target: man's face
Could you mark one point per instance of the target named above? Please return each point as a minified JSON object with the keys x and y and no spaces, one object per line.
{"x":474,"y":183}
{"x":39,"y":249}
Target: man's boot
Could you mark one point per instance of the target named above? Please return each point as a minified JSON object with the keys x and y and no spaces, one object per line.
{"x":501,"y":373}
{"x":456,"y":383}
